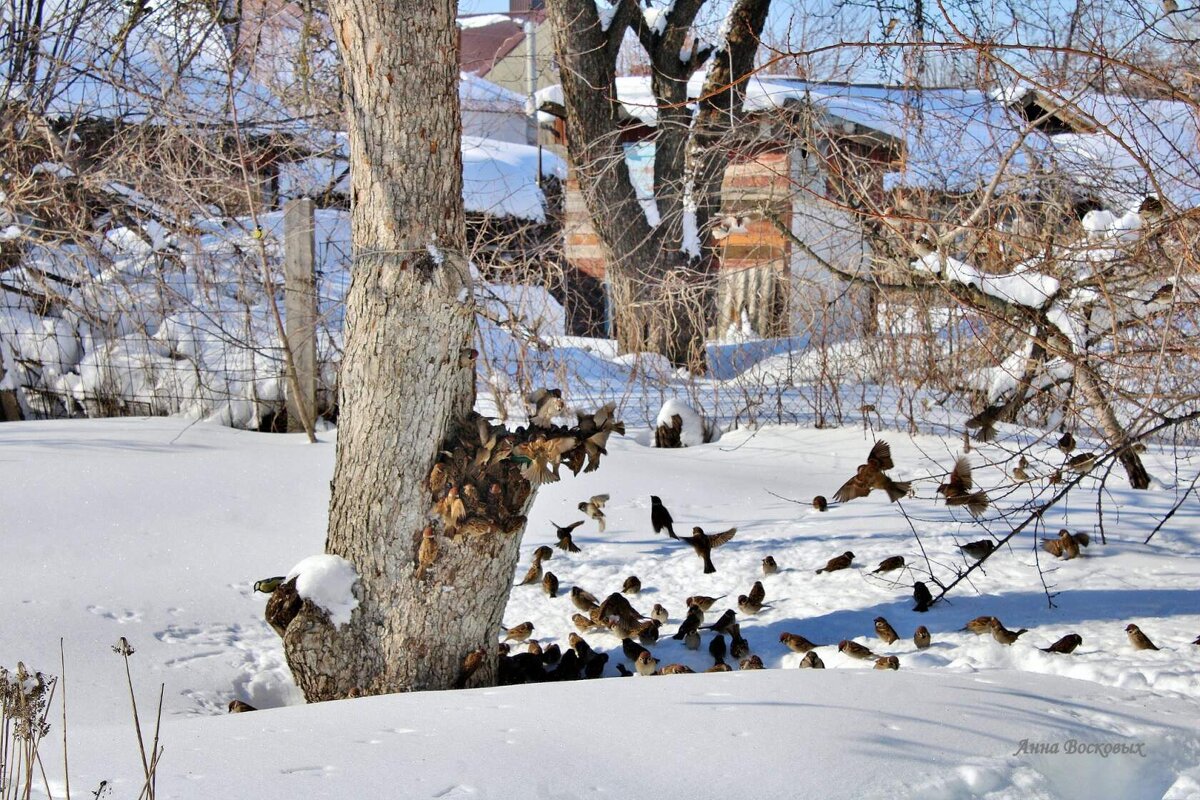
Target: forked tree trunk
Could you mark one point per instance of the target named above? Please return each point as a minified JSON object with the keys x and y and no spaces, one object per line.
{"x":403,"y":381}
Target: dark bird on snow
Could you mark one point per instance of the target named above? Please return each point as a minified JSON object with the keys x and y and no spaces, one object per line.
{"x":885,"y":631}
{"x":1002,"y":634}
{"x":238,"y":707}
{"x":623,"y":671}
{"x":1066,"y":644}
{"x":921,"y":637}
{"x":717,"y":648}
{"x":543,"y":553}
{"x":1064,"y":546}
{"x":739,"y":648}
{"x":660,"y":518}
{"x":769,"y":567}
{"x":594,"y":508}
{"x":797,"y":643}
{"x":691,"y":623}
{"x":632,"y":585}
{"x":749,"y":606}
{"x":887,"y":662}
{"x":724,"y":623}
{"x":632,"y":649}
{"x":564,"y":536}
{"x":1139,"y":640}
{"x":595,"y":667}
{"x":871,"y":476}
{"x":854,"y":650}
{"x":820,"y":503}
{"x":837,"y":562}
{"x":812,"y":661}
{"x":921,"y":596}
{"x":978,"y":549}
{"x":647,"y":632}
{"x":704,"y":544}
{"x":889,"y":564}
{"x":750,"y":662}
{"x":958,"y":486}
{"x":550,"y":584}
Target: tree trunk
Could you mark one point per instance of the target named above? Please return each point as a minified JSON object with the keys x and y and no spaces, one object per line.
{"x":1114,"y":431}
{"x":403,"y":380}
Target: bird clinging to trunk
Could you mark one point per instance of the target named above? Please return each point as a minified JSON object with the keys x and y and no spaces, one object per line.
{"x":871,"y":476}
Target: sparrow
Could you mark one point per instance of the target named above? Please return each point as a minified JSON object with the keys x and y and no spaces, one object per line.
{"x":1002,"y":634}
{"x":533,"y":646}
{"x":889,"y":564}
{"x":739,"y":648}
{"x":543,"y":553}
{"x":632,"y":585}
{"x":595,"y":667}
{"x":885,"y":631}
{"x":238,"y":707}
{"x":957,"y":488}
{"x":922,"y":597}
{"x":748,"y":606}
{"x":979,"y":626}
{"x":539,"y":457}
{"x":632,"y":649}
{"x":519,"y":633}
{"x":717,"y":648}
{"x":616,"y":608}
{"x":647,"y":632}
{"x":1082,"y":462}
{"x":812,"y":661}
{"x":623,"y":671}
{"x":533,"y":575}
{"x":720,"y":666}
{"x":551,"y":654}
{"x":594,"y":508}
{"x":584,"y":624}
{"x":978,"y":549}
{"x":797,"y":643}
{"x":1151,"y":207}
{"x":820,"y":503}
{"x":691,"y":623}
{"x":547,"y":404}
{"x":582,"y":649}
{"x":568,"y":668}
{"x":1064,"y":546}
{"x":564,"y":536}
{"x":702,"y":602}
{"x":268,"y":585}
{"x":659,"y":614}
{"x":677,"y":669}
{"x":1055,"y":477}
{"x":704,"y":544}
{"x":1066,"y":644}
{"x":1066,"y":443}
{"x":887,"y":662}
{"x":724,"y":622}
{"x":854,"y":650}
{"x":757,"y":593}
{"x":871,"y":476}
{"x":471,"y":663}
{"x":837,"y":562}
{"x":921,"y":637}
{"x":769,"y":567}
{"x":750,"y":662}
{"x":660,"y":518}
{"x":550,"y":584}
{"x":1139,"y":640}
{"x":692,"y":640}
{"x":585,"y":601}
{"x":645,"y":664}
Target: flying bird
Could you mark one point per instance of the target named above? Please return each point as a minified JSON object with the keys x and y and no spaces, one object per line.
{"x":704,"y":544}
{"x":958,"y":486}
{"x":871,"y":476}
{"x":594,"y":508}
{"x":565,"y":542}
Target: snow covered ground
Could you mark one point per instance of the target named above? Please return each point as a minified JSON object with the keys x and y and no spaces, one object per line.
{"x":156,"y":529}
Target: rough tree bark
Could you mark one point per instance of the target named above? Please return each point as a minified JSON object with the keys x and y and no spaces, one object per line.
{"x":403,"y":382}
{"x":662,"y":288}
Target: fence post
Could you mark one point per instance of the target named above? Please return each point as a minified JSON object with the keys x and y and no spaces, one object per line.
{"x":300,"y":309}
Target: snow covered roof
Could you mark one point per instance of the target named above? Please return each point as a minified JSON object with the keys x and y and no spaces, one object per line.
{"x":175,"y":65}
{"x":477,"y":94}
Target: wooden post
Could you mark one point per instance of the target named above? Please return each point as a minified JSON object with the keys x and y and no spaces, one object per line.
{"x":300,"y":310}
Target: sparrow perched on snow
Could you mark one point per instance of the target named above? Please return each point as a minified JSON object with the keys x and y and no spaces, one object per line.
{"x":704,"y":543}
{"x":978,"y":549}
{"x":645,"y":663}
{"x":647,"y":632}
{"x":519,"y":633}
{"x":812,"y":661}
{"x":797,"y":643}
{"x":1064,"y":546}
{"x":724,"y":623}
{"x":582,"y":649}
{"x":703,"y":602}
{"x":533,"y":646}
{"x":1139,"y":640}
{"x":717,"y":648}
{"x":1002,"y":634}
{"x":564,"y":536}
{"x":238,"y":707}
{"x":922,"y":596}
{"x":533,"y":575}
{"x":750,"y":604}
{"x":750,"y":662}
{"x":660,"y":518}
{"x":585,"y":624}
{"x":691,"y":640}
{"x":585,"y":601}
{"x":543,"y":553}
{"x":632,"y":649}
{"x":1066,"y":644}
{"x":1066,"y":443}
{"x":837,"y":562}
{"x":885,"y":631}
{"x":739,"y":648}
{"x":769,"y":567}
{"x":659,"y":614}
{"x":887,"y":662}
{"x":854,"y":650}
{"x":889,"y":564}
{"x":871,"y":476}
{"x":921,"y":637}
{"x":677,"y":669}
{"x":594,"y":508}
{"x":720,"y":666}
{"x":551,"y":654}
{"x":691,"y":623}
{"x":595,"y":667}
{"x":979,"y":626}
{"x":820,"y":503}
{"x":268,"y":585}
{"x":550,"y":584}
{"x":632,"y":585}
{"x":958,"y":486}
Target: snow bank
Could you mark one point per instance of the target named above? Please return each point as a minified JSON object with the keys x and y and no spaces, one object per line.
{"x":696,"y":430}
{"x":328,"y":581}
